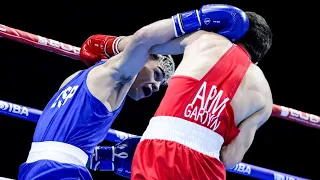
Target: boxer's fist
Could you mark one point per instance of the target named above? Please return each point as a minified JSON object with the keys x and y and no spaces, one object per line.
{"x":98,"y":47}
{"x":101,"y":159}
{"x":226,"y":20}
{"x":123,"y":156}
{"x":116,"y":158}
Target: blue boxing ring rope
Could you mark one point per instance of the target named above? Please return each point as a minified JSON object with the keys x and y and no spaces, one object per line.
{"x":31,"y":114}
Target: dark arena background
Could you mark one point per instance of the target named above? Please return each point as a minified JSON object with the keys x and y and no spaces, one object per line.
{"x":31,"y":76}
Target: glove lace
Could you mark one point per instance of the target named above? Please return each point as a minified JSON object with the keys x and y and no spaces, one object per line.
{"x":121,"y":155}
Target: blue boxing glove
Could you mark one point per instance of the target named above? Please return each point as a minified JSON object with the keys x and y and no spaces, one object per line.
{"x":228,"y":21}
{"x":116,"y":158}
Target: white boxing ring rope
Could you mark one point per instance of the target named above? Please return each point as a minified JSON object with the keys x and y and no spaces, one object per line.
{"x":31,"y":114}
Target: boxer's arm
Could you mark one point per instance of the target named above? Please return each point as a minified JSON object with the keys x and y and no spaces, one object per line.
{"x":234,"y":152}
{"x":172,"y":47}
{"x":137,"y":51}
{"x":121,"y":69}
{"x":124,"y":42}
{"x":178,"y":45}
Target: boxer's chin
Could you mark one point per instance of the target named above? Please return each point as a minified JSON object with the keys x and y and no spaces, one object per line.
{"x":134,"y":95}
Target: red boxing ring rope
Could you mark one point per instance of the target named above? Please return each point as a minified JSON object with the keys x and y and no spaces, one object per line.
{"x":297,"y":116}
{"x":73,"y":52}
{"x":40,"y":42}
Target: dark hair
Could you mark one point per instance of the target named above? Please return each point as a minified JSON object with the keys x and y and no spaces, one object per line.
{"x":258,"y":39}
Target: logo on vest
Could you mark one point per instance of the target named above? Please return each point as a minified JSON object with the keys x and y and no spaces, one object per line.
{"x":211,"y":106}
{"x":64,"y":96}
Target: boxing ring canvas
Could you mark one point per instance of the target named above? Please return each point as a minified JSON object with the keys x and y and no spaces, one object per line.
{"x":285,"y":148}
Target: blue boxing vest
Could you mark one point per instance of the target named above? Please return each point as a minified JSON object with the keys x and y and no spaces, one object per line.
{"x":74,"y":116}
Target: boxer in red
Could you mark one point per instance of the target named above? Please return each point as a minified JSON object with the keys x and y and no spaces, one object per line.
{"x":215,"y":102}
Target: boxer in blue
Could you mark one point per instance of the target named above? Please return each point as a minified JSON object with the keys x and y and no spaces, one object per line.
{"x":78,"y":116}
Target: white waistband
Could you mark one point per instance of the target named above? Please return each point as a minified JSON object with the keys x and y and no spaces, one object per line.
{"x":57,"y":151}
{"x":184,"y":132}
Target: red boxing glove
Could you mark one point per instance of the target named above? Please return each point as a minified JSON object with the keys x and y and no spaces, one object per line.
{"x":99,"y":47}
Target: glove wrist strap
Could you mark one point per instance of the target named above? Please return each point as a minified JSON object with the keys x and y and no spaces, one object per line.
{"x":105,"y":166}
{"x":111,"y":46}
{"x":104,"y":153}
{"x":186,"y":22}
{"x":115,"y":44}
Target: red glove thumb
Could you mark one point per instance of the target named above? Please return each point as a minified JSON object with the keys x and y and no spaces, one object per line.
{"x":96,"y":48}
{"x":87,"y":56}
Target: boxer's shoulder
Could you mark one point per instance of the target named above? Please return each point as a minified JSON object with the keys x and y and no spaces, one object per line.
{"x":253,"y":94}
{"x":202,"y":54}
{"x":257,"y":78}
{"x":205,"y":41}
{"x":260,"y":82}
{"x":68,"y":79}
